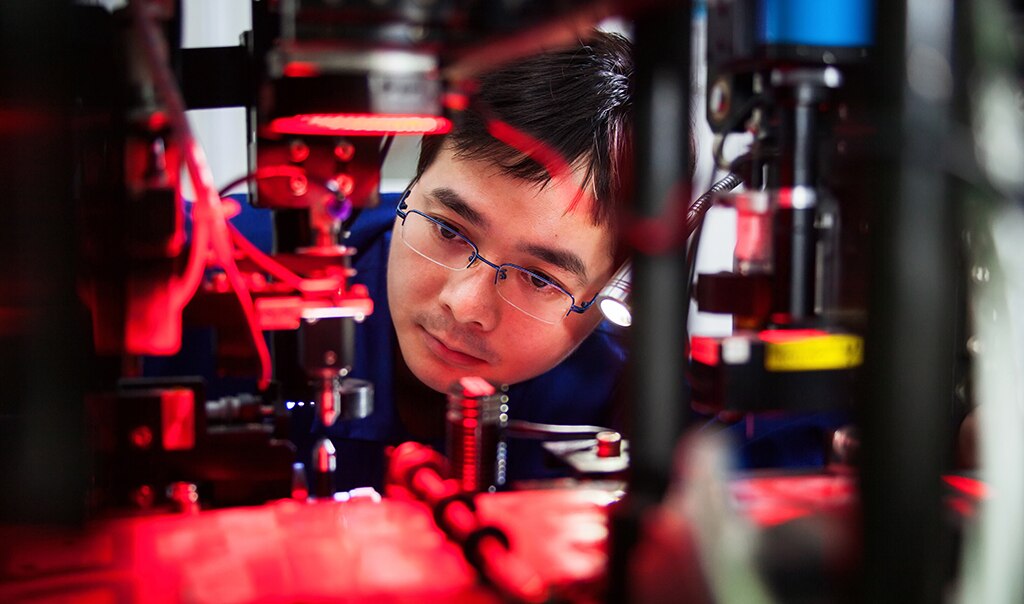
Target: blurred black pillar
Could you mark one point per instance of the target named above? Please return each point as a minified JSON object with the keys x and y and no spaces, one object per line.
{"x":912,"y":298}
{"x":658,"y":399}
{"x":660,"y":291}
{"x":42,"y":334}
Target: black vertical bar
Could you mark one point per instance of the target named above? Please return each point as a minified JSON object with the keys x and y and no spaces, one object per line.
{"x":805,"y":113}
{"x":802,"y":250}
{"x":802,"y":240}
{"x":42,"y":329}
{"x":911,"y":336}
{"x":659,"y":399}
{"x":660,"y":290}
{"x":795,"y":237}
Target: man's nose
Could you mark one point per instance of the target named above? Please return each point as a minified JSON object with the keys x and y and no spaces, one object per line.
{"x":471,"y":297}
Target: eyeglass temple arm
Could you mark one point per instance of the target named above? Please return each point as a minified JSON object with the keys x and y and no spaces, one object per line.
{"x":402,"y":205}
{"x":582,"y":307}
{"x":620,"y":279}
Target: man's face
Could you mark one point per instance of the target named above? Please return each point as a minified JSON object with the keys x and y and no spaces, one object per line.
{"x":452,"y":324}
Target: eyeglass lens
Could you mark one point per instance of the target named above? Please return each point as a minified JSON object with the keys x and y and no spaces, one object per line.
{"x":522,"y":289}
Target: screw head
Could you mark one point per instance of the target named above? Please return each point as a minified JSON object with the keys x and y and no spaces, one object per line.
{"x":345,"y":183}
{"x":143,"y":497}
{"x":344,"y":151}
{"x":141,"y":437}
{"x":298,"y":185}
{"x":298,"y":150}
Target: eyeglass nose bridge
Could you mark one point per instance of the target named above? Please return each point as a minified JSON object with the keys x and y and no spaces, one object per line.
{"x":499,"y":269}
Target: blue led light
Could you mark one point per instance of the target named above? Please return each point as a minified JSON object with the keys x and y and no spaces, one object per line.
{"x":836,"y":23}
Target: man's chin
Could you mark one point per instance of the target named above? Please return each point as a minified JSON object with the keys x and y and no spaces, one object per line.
{"x":435,"y":377}
{"x":442,"y":380}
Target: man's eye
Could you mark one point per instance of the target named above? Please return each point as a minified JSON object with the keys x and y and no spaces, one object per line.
{"x":446,"y":230}
{"x":541,"y":281}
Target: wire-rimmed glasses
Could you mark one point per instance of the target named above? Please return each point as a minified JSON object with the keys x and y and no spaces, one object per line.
{"x":524,"y":290}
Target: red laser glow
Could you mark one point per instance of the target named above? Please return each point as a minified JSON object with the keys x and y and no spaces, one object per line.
{"x":357,"y":124}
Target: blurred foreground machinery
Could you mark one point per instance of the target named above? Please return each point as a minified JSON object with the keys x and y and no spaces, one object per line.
{"x":847,"y":106}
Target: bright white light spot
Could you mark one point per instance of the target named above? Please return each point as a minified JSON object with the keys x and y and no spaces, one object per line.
{"x":616,"y":312}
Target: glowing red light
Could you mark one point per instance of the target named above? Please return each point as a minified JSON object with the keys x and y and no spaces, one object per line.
{"x":475,"y":386}
{"x":356,"y":124}
{"x":177,"y":409}
{"x":455,"y":101}
{"x":538,"y":150}
{"x":157,"y":121}
{"x":141,"y":437}
{"x":780,"y":336}
{"x":968,"y":486}
{"x":546,"y":155}
{"x":299,"y":69}
{"x":704,"y":349}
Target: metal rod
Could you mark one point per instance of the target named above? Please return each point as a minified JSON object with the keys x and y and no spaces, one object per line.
{"x":45,"y":347}
{"x":658,"y":397}
{"x":911,"y":337}
{"x":658,"y":362}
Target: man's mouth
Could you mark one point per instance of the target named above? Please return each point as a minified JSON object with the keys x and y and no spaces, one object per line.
{"x":451,"y":353}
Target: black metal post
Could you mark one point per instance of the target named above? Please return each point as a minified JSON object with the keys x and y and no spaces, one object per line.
{"x":658,"y":363}
{"x":911,"y":335}
{"x":43,"y":325}
{"x":659,"y":398}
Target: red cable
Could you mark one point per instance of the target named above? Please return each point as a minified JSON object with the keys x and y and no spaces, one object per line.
{"x":265,"y":262}
{"x":210,"y":213}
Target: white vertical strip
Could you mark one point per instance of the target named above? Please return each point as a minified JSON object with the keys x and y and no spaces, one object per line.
{"x":221,"y":132}
{"x":718,"y":238}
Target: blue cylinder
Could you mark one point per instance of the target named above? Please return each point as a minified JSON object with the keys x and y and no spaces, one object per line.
{"x":838,"y":23}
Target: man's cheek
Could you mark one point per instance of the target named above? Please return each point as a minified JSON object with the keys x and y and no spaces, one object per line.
{"x":407,"y":287}
{"x":523,"y":359}
{"x":419,"y":278}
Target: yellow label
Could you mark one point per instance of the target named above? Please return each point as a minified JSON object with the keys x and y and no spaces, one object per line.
{"x":835,"y":351}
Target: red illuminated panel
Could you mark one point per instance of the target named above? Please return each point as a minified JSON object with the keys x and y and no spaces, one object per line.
{"x":152,"y":323}
{"x":301,"y":69}
{"x":360,"y":124}
{"x":704,"y":349}
{"x":177,"y":406}
{"x":779,"y":336}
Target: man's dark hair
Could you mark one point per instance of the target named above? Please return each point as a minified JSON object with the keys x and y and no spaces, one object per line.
{"x":575,"y":102}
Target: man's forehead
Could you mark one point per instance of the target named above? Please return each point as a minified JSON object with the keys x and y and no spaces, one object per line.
{"x":570,"y":192}
{"x":484,"y":207}
{"x":535,"y":167}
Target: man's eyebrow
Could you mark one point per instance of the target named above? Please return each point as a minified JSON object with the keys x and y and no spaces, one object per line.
{"x":454,"y":202}
{"x":562,"y":259}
